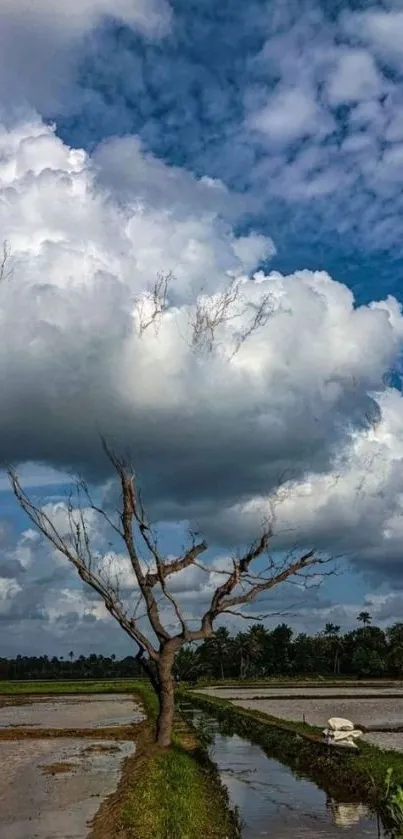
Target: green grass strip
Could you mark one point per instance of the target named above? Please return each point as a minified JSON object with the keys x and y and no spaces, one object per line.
{"x":175,"y":798}
{"x":177,"y":794}
{"x":84,"y":686}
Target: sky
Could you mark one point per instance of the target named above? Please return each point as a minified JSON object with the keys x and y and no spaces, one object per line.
{"x":257,"y":143}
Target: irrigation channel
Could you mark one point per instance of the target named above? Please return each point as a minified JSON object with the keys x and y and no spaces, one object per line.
{"x":272,"y":801}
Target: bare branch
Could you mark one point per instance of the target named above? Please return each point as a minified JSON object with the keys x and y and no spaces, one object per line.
{"x":129,"y":514}
{"x":82,"y":485}
{"x":259,"y":616}
{"x":211,"y":569}
{"x":210,"y":313}
{"x":176,"y":565}
{"x":304,"y":561}
{"x":79,"y":554}
{"x":261,"y":314}
{"x":6,"y":269}
{"x":241,"y":567}
{"x":156,"y":301}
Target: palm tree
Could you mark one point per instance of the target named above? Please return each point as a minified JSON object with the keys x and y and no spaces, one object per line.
{"x":332,"y":631}
{"x":364,"y":618}
{"x":241,"y":647}
{"x":395,"y":648}
{"x":219,"y":644}
{"x":187,"y":664}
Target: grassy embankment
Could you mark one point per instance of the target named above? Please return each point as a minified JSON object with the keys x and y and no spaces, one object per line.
{"x":297,"y":682}
{"x":343,"y":774}
{"x":73,"y":686}
{"x":164,"y":794}
{"x":177,"y":794}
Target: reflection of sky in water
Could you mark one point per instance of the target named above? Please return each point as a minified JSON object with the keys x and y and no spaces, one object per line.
{"x":273,"y":803}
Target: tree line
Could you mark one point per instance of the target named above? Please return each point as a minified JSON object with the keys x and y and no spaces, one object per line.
{"x":365,"y":652}
{"x":70,"y":667}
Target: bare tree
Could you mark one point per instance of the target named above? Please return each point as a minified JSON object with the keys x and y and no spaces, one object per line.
{"x":242,"y":584}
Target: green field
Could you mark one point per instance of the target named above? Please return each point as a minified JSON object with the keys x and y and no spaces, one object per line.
{"x":13,"y":688}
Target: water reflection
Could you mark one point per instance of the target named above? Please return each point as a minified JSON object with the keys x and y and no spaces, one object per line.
{"x":271,"y":800}
{"x":345,"y":815}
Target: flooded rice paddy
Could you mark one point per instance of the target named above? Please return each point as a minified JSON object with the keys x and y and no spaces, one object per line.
{"x":97,"y":711}
{"x":373,"y":690}
{"x":52,"y":787}
{"x":370,"y":708}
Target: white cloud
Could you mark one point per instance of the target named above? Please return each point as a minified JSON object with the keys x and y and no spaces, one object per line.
{"x":354,"y":78}
{"x":324,"y":90}
{"x":71,"y":358}
{"x":9,"y":588}
{"x":288,"y":116}
{"x":354,"y":510}
{"x":210,"y":433}
{"x":79,"y":15}
{"x":39,"y":43}
{"x":383,"y":30}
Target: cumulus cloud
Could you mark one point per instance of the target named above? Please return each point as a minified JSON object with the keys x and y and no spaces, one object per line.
{"x":72,"y":361}
{"x":207,"y":432}
{"x":40,"y":44}
{"x":299,"y":122}
{"x":43,"y":606}
{"x":354,"y":510}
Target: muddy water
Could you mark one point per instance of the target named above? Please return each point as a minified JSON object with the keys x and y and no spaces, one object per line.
{"x":373,"y":709}
{"x":65,"y":712}
{"x":50,"y":789}
{"x":271,"y":800}
{"x":239,"y":692}
{"x":362,"y":711}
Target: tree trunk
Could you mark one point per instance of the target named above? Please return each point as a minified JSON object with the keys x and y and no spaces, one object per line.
{"x":166,"y":698}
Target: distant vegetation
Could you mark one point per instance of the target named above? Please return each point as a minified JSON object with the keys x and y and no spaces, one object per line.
{"x":365,"y":652}
{"x":83,"y":667}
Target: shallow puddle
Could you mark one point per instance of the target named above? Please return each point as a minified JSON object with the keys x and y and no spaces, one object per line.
{"x":50,"y":789}
{"x":271,"y":800}
{"x":69,"y":712}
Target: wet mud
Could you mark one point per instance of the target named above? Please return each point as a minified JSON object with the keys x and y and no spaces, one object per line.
{"x":60,"y":760}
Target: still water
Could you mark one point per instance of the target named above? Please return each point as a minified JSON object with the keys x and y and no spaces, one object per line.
{"x":271,"y":800}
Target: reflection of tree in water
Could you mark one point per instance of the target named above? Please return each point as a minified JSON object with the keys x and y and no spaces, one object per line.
{"x":345,"y":815}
